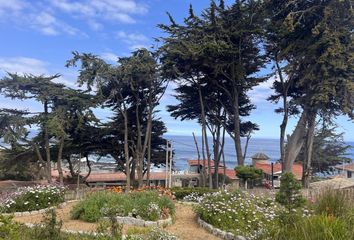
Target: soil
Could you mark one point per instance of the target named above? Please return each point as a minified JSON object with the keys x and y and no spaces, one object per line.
{"x":185,"y":227}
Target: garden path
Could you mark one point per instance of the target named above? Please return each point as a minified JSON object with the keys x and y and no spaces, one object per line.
{"x":185,"y":227}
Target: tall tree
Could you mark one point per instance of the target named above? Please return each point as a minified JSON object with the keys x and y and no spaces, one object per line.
{"x":133,"y":90}
{"x":318,"y":46}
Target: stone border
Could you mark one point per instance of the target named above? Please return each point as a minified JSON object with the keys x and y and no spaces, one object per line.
{"x":217,"y":232}
{"x":142,"y":223}
{"x":29,"y":213}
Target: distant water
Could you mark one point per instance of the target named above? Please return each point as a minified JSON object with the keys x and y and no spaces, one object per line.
{"x":184,"y":149}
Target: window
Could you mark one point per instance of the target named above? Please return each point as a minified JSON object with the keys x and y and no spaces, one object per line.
{"x":349,"y":174}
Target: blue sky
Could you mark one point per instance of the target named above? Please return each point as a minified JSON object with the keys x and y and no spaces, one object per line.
{"x":38,"y":37}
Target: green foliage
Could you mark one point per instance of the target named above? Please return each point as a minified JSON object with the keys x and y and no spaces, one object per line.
{"x":181,"y":193}
{"x":333,"y":202}
{"x":248,"y":172}
{"x":289,"y":193}
{"x":317,"y":227}
{"x":146,"y":205}
{"x":329,"y":150}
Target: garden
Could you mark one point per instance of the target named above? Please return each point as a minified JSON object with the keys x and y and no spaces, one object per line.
{"x":102,"y":207}
{"x":286,"y":215}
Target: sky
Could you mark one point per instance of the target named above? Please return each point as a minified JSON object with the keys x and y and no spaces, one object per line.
{"x":38,"y":37}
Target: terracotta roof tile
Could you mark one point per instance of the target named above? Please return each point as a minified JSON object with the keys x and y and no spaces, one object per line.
{"x":347,"y":167}
{"x":267,"y":168}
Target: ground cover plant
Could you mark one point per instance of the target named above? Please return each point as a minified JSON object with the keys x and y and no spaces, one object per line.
{"x":239,"y":213}
{"x":193,"y":193}
{"x":147,"y":205}
{"x":32,"y":198}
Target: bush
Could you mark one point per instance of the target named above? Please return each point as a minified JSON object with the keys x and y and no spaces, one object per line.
{"x":181,"y":193}
{"x":146,"y":205}
{"x":289,"y":194}
{"x":33,"y":198}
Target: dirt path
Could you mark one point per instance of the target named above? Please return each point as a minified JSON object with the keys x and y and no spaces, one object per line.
{"x":185,"y":227}
{"x":64,"y":215}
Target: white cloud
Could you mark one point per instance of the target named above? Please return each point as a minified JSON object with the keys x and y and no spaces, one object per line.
{"x":131,"y":37}
{"x":48,"y":24}
{"x":110,"y":57}
{"x":133,"y":40}
{"x":23,"y":65}
{"x":13,"y":5}
{"x":260,"y":93}
{"x":114,"y":10}
{"x":33,"y":66}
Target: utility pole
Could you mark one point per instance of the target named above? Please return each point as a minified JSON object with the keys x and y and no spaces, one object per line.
{"x":170,"y":169}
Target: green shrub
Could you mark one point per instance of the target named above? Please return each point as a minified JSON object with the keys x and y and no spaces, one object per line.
{"x":146,"y":205}
{"x":289,"y":194}
{"x":332,"y":202}
{"x":181,"y":193}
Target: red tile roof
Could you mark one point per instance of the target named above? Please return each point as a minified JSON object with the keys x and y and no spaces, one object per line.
{"x":347,"y":167}
{"x":267,"y":168}
{"x":119,"y":176}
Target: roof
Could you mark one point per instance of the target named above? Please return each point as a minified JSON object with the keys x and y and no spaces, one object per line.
{"x":260,"y":156}
{"x":267,"y":168}
{"x":201,"y":162}
{"x":119,"y":176}
{"x":335,"y":183}
{"x":347,"y":167}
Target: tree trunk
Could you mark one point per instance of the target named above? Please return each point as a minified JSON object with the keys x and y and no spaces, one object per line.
{"x":237,"y":133}
{"x":205,"y":136}
{"x":196,"y":146}
{"x":148,"y":161}
{"x":46,"y":143}
{"x":59,"y":161}
{"x":89,"y":168}
{"x":139,"y":166}
{"x":286,"y":111}
{"x":216,"y":147}
{"x":126,"y":151}
{"x":308,"y":150}
{"x":295,"y":142}
{"x":246,"y":146}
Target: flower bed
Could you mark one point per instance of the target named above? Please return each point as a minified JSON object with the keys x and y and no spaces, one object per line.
{"x":148,"y":206}
{"x":32,"y":198}
{"x":238,"y":213}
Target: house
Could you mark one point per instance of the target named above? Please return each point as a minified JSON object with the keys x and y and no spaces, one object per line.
{"x":274,"y":170}
{"x":347,"y":170}
{"x":197,"y":166}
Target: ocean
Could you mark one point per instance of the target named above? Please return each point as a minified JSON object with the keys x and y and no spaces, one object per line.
{"x":184,"y":150}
